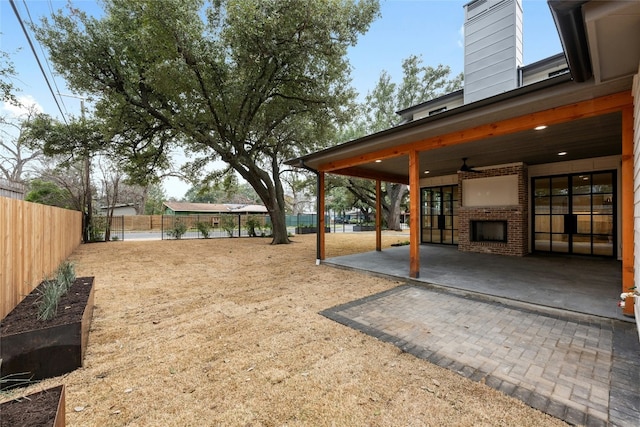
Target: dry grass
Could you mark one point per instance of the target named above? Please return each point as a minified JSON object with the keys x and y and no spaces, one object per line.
{"x":227,"y":332}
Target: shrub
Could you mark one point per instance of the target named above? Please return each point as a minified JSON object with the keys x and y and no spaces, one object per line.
{"x":228,"y":224}
{"x":268,"y":230}
{"x":97,"y":229}
{"x":178,"y":229}
{"x":253,"y":226}
{"x":204,"y":228}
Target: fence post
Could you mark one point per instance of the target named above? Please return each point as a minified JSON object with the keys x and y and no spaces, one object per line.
{"x":239,"y":226}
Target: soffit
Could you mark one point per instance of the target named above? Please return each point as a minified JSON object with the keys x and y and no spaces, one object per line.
{"x":586,"y":138}
{"x":613,"y":34}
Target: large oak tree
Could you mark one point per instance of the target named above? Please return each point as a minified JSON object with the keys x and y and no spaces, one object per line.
{"x":249,"y":82}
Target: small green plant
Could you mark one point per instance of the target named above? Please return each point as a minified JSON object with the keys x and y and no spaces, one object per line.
{"x":178,"y":230}
{"x":204,"y":228}
{"x":114,"y":238}
{"x":13,"y":381}
{"x":48,"y":300}
{"x":53,"y":289}
{"x":253,"y":226}
{"x":228,"y":224}
{"x":65,"y":275}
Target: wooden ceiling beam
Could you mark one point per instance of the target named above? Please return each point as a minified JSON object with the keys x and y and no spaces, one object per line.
{"x":370,"y":174}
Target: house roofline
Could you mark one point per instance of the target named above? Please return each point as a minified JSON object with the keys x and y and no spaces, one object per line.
{"x":302,"y":161}
{"x":567,"y":15}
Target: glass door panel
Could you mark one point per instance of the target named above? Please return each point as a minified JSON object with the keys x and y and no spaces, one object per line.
{"x":440,"y":215}
{"x":575,"y":213}
{"x":560,"y":243}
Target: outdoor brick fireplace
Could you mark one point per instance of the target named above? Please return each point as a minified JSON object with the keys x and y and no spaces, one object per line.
{"x":493,"y":216}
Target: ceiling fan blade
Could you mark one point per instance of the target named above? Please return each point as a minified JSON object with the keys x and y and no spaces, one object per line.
{"x":465,"y":167}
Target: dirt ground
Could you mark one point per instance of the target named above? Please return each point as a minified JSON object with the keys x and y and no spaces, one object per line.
{"x":227,"y":332}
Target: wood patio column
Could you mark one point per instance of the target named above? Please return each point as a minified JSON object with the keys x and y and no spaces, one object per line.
{"x":414,"y":214}
{"x":627,"y":208}
{"x":378,"y":215}
{"x":320,"y":253}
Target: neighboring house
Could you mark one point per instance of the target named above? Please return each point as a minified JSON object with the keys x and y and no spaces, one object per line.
{"x":123,"y":209}
{"x":536,"y":158}
{"x":179,"y":208}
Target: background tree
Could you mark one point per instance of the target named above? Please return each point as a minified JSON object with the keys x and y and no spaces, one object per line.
{"x":226,"y":189}
{"x":77,"y":141}
{"x":62,"y":179}
{"x":7,"y":72}
{"x":15,"y":156}
{"x":245,"y":79}
{"x":419,"y":84}
{"x":49,"y":193}
{"x":155,"y":197}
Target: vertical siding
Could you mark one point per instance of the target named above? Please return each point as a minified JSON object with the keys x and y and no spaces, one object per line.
{"x":636,"y":178}
{"x":34,"y":239}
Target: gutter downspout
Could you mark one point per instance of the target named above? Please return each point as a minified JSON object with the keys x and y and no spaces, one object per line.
{"x":569,"y":21}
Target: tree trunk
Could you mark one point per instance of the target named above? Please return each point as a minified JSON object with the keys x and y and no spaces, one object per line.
{"x":86,"y":233}
{"x":396,"y":193}
{"x":279,"y":224}
{"x":269,"y":189}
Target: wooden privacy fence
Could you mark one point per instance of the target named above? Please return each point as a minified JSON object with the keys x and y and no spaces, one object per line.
{"x":34,"y":240}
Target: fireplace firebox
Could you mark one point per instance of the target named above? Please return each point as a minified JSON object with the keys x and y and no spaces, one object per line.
{"x":489,"y":231}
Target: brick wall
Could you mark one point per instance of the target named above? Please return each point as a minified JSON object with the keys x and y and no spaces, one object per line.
{"x":517,"y":217}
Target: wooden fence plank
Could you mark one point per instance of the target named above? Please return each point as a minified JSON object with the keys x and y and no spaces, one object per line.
{"x":34,"y":240}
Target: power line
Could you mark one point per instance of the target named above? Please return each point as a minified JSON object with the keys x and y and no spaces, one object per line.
{"x":46,"y":60}
{"x":35,"y":54}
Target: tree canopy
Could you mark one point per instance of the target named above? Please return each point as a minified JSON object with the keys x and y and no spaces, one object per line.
{"x":249,"y":82}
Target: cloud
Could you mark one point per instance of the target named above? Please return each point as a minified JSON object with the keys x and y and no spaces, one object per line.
{"x":461,"y":34}
{"x":25,"y":104}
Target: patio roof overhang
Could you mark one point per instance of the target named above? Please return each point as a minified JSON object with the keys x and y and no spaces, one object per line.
{"x":496,"y":130}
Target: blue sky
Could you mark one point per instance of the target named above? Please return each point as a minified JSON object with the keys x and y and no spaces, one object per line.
{"x":429,"y":28}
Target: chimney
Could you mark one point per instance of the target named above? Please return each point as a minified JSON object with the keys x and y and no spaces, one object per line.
{"x":492,"y":47}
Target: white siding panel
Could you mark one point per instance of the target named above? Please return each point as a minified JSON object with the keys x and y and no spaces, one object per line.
{"x":636,"y":180}
{"x":492,"y":50}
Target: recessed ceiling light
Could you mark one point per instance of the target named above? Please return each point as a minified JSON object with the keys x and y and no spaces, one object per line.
{"x":562,"y":153}
{"x":541,"y":127}
{"x":378,"y":161}
{"x":426,"y":171}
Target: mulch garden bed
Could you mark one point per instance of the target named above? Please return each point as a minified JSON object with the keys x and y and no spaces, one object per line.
{"x":24,"y":316}
{"x":32,"y":349}
{"x":44,"y":408}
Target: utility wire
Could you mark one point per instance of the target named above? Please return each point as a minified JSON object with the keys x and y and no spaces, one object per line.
{"x":24,"y":29}
{"x":46,"y":60}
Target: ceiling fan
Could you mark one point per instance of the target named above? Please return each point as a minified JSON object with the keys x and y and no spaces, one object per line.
{"x":467,"y":168}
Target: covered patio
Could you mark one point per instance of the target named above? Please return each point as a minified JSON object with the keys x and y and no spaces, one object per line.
{"x":568,"y":283}
{"x":573,"y":125}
